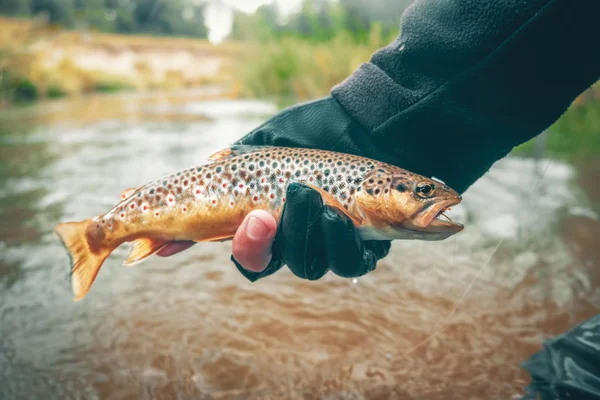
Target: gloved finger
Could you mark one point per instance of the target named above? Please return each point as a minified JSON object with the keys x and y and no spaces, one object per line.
{"x":303,"y":245}
{"x":251,"y":246}
{"x":346,"y":255}
{"x":175,"y":247}
{"x":272,"y":267}
{"x":379,"y":248}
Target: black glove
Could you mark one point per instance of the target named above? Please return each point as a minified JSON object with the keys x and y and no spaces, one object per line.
{"x":313,"y":238}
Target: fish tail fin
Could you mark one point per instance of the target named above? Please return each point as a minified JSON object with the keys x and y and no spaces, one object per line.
{"x":86,"y":257}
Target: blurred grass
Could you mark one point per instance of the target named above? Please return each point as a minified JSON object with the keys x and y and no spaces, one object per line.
{"x":297,"y":69}
{"x":39,"y":60}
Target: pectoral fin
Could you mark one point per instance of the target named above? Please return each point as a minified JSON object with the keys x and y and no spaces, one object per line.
{"x":143,"y":248}
{"x":331,"y":201}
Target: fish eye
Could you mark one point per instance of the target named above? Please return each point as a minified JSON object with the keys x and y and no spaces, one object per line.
{"x":425,"y":189}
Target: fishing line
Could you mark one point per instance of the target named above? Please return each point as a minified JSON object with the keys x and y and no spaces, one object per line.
{"x":459,"y":302}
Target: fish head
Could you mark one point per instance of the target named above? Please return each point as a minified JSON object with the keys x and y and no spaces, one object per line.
{"x":400,"y":204}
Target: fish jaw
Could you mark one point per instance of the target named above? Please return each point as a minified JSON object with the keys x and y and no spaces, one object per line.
{"x":425,"y":226}
{"x":429,"y":219}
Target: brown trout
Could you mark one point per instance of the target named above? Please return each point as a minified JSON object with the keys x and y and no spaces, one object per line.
{"x":209,"y":202}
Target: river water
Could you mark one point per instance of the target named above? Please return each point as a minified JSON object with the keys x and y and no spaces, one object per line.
{"x":435,"y":320}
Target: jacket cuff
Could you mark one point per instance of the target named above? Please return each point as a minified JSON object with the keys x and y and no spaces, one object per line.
{"x":370,"y":96}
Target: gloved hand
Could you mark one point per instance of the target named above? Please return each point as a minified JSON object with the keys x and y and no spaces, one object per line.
{"x":312,"y":238}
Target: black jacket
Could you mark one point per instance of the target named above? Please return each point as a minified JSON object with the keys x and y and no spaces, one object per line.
{"x":474,"y":78}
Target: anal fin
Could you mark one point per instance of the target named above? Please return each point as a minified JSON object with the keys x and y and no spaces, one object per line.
{"x":143,"y":248}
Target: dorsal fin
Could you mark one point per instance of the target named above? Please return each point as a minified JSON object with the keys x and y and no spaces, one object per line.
{"x":236,"y":150}
{"x":128,"y":192}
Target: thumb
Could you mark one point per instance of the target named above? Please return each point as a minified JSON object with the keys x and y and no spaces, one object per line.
{"x":252,"y":241}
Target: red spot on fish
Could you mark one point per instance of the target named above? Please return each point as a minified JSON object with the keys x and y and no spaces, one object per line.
{"x":109,"y":226}
{"x":255,"y":198}
{"x":197,"y":191}
{"x":284,"y":199}
{"x":262,"y":180}
{"x":272,"y":195}
{"x":231,"y":203}
{"x":214,"y":202}
{"x":156,"y":214}
{"x":178,"y":190}
{"x":145,"y":207}
{"x":184,"y":209}
{"x":224,"y":185}
{"x":170,"y":199}
{"x":132,"y":206}
{"x":122,"y":215}
{"x":241,"y":185}
{"x":185,"y":183}
{"x":280,"y":180}
{"x":193,"y":179}
{"x":311,"y":179}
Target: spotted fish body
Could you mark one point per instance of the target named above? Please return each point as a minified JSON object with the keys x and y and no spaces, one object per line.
{"x":209,"y":202}
{"x":234,"y":183}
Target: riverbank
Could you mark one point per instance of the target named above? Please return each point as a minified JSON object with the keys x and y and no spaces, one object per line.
{"x":43,"y":61}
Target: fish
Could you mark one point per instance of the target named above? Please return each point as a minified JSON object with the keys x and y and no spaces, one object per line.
{"x":208,"y":202}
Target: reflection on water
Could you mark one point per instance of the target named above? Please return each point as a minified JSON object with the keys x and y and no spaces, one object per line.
{"x":443,"y":320}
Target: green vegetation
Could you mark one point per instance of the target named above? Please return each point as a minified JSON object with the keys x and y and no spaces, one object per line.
{"x":23,"y":90}
{"x":320,"y":20}
{"x":167,"y":18}
{"x":55,"y":93}
{"x":299,"y":69}
{"x":303,"y":56}
{"x":108,"y":87}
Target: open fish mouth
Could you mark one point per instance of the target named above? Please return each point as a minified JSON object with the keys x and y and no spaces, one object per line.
{"x":433,"y":218}
{"x":439,"y":221}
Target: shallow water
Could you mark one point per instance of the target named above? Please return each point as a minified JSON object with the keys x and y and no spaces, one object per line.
{"x":435,"y":320}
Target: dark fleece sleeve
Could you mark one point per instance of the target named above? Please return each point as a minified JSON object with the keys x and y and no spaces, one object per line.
{"x":471,"y":79}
